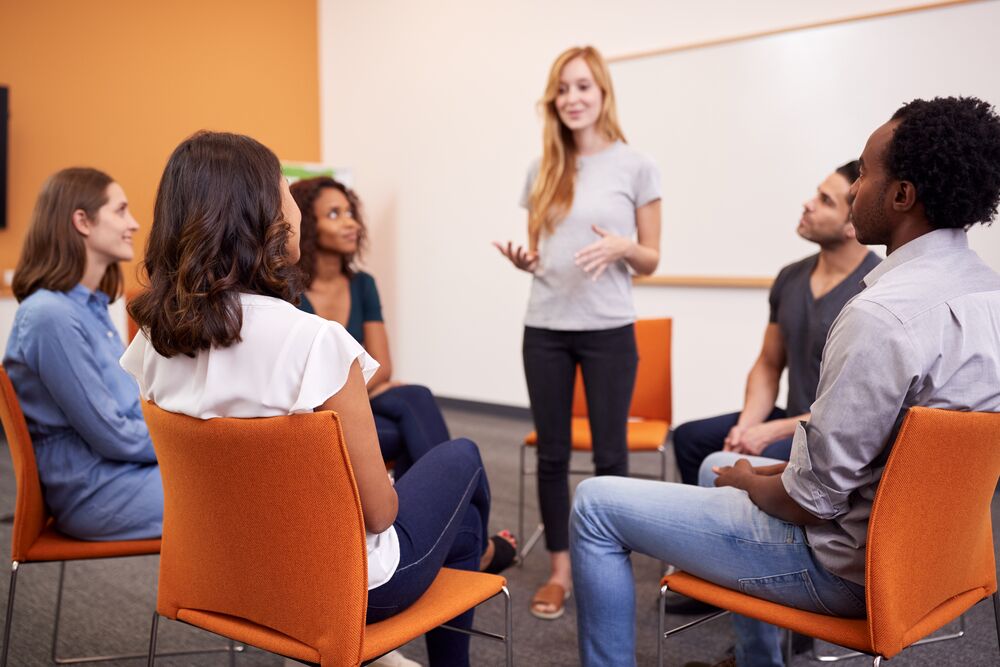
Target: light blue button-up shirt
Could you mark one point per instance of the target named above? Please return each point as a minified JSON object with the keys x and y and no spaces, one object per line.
{"x":926,"y":332}
{"x":95,"y":458}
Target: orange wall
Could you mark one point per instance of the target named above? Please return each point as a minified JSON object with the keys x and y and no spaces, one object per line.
{"x":116,"y":84}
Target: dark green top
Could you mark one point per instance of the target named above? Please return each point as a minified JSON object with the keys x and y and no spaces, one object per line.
{"x":365,"y":305}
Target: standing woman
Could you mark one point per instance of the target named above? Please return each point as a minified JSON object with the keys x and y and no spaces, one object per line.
{"x":588,"y":198}
{"x":95,"y":459}
{"x":333,"y":234}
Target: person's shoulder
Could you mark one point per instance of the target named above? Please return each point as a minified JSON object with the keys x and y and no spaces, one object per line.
{"x":797,"y":268}
{"x":633,"y":155}
{"x":870,"y":261}
{"x":364,"y":279}
{"x":46,"y":307}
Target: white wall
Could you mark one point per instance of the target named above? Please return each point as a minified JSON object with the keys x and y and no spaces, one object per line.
{"x":432,"y":105}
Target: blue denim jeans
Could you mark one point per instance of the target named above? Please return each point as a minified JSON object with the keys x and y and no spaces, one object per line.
{"x":409,"y":422}
{"x":695,"y":440}
{"x":444,"y":509}
{"x":716,"y":534}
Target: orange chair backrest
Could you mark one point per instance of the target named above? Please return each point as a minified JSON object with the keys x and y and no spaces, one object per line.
{"x":930,"y":537}
{"x":30,"y":515}
{"x":652,"y":397}
{"x":262,"y":521}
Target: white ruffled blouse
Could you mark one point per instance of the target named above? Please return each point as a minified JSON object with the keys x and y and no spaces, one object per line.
{"x":288,"y":362}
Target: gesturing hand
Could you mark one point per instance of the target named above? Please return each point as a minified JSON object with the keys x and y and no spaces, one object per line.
{"x":526,"y":260}
{"x":596,"y":257}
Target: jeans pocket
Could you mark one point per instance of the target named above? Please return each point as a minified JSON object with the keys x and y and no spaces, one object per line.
{"x":793,"y":589}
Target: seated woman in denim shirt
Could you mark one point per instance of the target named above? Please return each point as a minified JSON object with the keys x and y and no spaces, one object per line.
{"x":95,"y":459}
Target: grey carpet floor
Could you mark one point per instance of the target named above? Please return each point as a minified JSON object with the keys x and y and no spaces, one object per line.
{"x":107,"y":604}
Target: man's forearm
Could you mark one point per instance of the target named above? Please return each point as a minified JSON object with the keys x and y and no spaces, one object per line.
{"x":761,"y":394}
{"x":768,"y":493}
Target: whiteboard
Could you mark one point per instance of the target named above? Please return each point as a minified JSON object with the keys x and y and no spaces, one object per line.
{"x":744,"y":132}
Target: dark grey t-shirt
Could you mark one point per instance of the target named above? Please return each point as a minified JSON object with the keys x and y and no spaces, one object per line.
{"x":804,"y":323}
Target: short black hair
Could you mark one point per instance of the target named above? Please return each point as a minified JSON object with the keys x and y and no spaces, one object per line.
{"x":949,"y":148}
{"x":850,"y":171}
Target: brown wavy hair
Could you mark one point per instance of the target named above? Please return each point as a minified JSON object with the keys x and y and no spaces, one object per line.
{"x":552,"y":192}
{"x":218,"y":230}
{"x":305,"y":193}
{"x":54,"y":256}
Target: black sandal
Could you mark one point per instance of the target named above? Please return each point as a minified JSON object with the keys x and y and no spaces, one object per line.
{"x":504,"y":555}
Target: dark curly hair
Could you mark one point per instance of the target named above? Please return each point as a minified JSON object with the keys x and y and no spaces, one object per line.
{"x":218,"y":230}
{"x":949,"y":148}
{"x":305,"y":193}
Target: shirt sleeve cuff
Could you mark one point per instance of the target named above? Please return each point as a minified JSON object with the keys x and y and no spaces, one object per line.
{"x":801,"y":483}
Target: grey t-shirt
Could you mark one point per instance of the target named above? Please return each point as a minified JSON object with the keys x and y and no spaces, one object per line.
{"x":804,"y":322}
{"x":609,"y":187}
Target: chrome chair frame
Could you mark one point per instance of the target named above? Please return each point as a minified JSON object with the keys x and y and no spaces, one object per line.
{"x":877,"y":659}
{"x":507,"y":638}
{"x":56,"y":658}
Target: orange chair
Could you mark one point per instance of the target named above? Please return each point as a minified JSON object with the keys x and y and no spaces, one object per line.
{"x":649,"y":415}
{"x":34,"y":540}
{"x":930,"y":543}
{"x":264,"y":542}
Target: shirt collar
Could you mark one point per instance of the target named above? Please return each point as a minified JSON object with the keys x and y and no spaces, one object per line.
{"x":82,"y":295}
{"x":939,"y":240}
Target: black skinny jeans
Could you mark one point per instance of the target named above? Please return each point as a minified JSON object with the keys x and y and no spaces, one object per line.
{"x":608,"y":360}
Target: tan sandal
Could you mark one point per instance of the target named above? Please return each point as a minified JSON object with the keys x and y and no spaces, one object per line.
{"x":549,"y":595}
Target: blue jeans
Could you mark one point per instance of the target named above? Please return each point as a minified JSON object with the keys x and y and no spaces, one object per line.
{"x":717,"y":534}
{"x":695,"y":440}
{"x":409,"y":422}
{"x":444,"y":508}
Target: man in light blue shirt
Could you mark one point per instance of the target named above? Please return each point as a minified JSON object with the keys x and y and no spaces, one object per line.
{"x":924,"y":332}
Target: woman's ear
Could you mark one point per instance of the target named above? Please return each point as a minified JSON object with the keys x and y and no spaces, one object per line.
{"x":81,"y":222}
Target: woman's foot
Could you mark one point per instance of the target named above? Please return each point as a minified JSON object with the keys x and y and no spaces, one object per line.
{"x":549,"y":602}
{"x":501,"y":552}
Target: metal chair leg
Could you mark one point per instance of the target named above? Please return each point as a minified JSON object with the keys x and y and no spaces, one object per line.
{"x":788,"y":648}
{"x":926,"y":640}
{"x":10,"y":613}
{"x":151,"y":657}
{"x":877,"y":662}
{"x":509,"y":631}
{"x":996,"y":612}
{"x":59,"y":596}
{"x":659,"y":625}
{"x":520,"y":510}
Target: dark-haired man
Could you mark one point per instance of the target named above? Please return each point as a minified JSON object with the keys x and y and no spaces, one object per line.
{"x":922,"y":333}
{"x":806,"y":297}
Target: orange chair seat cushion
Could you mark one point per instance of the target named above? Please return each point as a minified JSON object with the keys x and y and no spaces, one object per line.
{"x":52,"y":545}
{"x":848,"y":632}
{"x":643,"y":435}
{"x":453,"y":592}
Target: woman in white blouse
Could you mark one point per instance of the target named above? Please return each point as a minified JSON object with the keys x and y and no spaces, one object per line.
{"x":221,"y":338}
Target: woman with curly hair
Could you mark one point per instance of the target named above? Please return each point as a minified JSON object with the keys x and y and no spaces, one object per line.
{"x":407,"y":417}
{"x":221,"y":338}
{"x":95,"y":459}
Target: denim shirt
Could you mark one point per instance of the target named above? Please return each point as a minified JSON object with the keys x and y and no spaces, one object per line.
{"x":95,"y":458}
